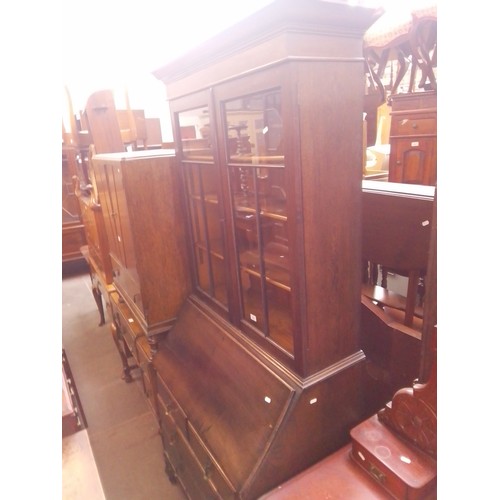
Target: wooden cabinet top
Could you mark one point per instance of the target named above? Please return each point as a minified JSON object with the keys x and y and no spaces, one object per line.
{"x":282,"y":30}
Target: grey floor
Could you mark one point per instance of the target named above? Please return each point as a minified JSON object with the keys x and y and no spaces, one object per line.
{"x":122,"y":430}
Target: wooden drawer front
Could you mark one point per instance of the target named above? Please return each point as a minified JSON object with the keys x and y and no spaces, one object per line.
{"x":72,"y":239}
{"x":190,"y":472}
{"x":130,"y":329}
{"x":212,"y":472}
{"x":413,"y":126}
{"x":171,"y":408}
{"x":167,"y":426}
{"x":181,"y":459}
{"x":148,"y":374}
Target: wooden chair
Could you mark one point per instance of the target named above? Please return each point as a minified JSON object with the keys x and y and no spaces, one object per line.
{"x":102,"y":119}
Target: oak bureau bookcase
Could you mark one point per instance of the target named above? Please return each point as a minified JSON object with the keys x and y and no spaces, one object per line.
{"x":262,"y":373}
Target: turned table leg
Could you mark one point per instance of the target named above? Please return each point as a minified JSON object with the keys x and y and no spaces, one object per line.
{"x":121,"y":351}
{"x":98,"y":300}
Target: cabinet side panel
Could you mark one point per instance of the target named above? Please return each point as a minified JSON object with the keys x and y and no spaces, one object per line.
{"x":158,"y":227}
{"x":318,"y":425}
{"x":331,"y":162}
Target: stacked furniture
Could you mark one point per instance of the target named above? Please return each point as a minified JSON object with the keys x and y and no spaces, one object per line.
{"x":135,"y":226}
{"x":73,"y":230}
{"x":262,"y":373}
{"x":143,"y":214}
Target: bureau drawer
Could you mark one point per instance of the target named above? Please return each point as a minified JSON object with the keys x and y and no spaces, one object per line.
{"x":168,"y":407}
{"x":188,"y":470}
{"x":130,"y":329}
{"x":212,"y":472}
{"x":179,"y":456}
{"x":401,"y":125}
{"x":167,"y":424}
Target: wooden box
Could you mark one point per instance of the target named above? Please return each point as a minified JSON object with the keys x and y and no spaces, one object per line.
{"x":401,"y":468}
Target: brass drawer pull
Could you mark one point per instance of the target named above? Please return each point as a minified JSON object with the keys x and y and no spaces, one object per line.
{"x":376,"y":473}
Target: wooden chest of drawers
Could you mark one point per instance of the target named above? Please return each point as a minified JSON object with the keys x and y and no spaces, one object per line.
{"x":413,"y":138}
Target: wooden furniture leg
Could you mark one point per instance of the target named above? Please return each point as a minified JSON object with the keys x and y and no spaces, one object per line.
{"x":98,"y":300}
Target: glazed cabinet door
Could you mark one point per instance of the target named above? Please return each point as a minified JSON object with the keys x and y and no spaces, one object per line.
{"x":256,"y":173}
{"x":232,"y":150}
{"x":203,"y":195}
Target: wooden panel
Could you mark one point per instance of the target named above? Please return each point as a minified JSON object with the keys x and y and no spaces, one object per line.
{"x":73,"y":237}
{"x":233,"y":401}
{"x":414,"y":125}
{"x":100,"y":112}
{"x":396,"y":221}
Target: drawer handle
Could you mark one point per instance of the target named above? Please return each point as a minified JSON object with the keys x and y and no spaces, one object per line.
{"x":376,"y":473}
{"x":414,"y":125}
{"x":170,"y":409}
{"x":207,"y":471}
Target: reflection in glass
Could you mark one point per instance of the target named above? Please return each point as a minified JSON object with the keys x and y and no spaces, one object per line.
{"x":202,"y":179}
{"x":254,"y":150}
{"x":194,"y":131}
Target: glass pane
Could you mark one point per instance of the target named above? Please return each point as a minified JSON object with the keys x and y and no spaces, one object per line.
{"x":202,"y":179}
{"x":257,"y":180}
{"x":254,"y":129}
{"x":194,"y":130}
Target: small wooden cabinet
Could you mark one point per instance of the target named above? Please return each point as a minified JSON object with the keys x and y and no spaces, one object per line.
{"x":144,"y":219}
{"x":262,"y":374}
{"x":73,"y":231}
{"x":413,"y":138}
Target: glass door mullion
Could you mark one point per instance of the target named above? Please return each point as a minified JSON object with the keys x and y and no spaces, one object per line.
{"x":206,"y":234}
{"x":260,"y":246}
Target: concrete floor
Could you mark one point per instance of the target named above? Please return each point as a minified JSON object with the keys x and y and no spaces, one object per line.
{"x":121,"y":443}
